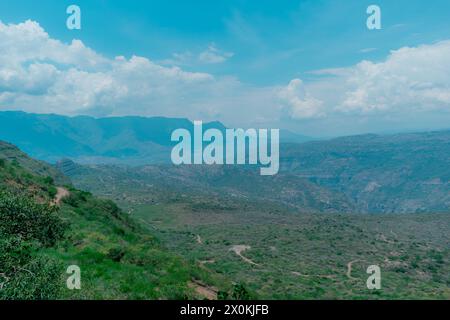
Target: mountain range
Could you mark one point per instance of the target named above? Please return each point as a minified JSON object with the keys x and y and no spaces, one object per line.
{"x":116,"y":140}
{"x":401,"y":173}
{"x":225,"y":232}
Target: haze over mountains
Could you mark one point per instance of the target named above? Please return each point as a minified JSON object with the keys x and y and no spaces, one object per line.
{"x":124,"y":140}
{"x":366,"y":174}
{"x":196,"y":247}
{"x":394,"y":173}
{"x":182,"y":229}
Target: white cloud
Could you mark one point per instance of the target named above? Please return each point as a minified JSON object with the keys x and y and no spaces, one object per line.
{"x":40,"y":74}
{"x":410,"y":78}
{"x":300,"y":104}
{"x":212,"y":55}
{"x":43,"y":75}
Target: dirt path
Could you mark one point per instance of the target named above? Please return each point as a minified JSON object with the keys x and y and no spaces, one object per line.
{"x":203,"y":262}
{"x":239,"y":249}
{"x":61,"y":194}
{"x":203,"y":290}
{"x":383,"y":238}
{"x":349,"y":269}
{"x":295,"y":273}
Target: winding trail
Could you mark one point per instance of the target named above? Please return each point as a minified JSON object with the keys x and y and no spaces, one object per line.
{"x":326,"y":276}
{"x":239,"y":249}
{"x":349,"y":269}
{"x":203,"y":262}
{"x":203,"y":290}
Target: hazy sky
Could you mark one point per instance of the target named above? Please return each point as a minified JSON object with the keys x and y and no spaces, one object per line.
{"x":309,"y":66}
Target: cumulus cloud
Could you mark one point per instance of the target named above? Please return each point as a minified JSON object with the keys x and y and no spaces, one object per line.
{"x":44,"y":75}
{"x":40,"y":74}
{"x":299,"y":103}
{"x":410,"y":78}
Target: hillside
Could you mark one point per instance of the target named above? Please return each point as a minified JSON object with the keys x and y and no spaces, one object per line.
{"x":115,"y":140}
{"x":268,"y":233}
{"x":404,"y":173}
{"x":40,"y":239}
{"x":209,"y":241}
{"x":400,"y":173}
{"x":218,"y":217}
{"x":222,"y":185}
{"x":11,"y":153}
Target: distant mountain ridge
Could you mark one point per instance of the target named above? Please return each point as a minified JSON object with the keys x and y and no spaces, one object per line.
{"x":86,"y":139}
{"x":128,"y":140}
{"x":398,"y":173}
{"x":401,"y":173}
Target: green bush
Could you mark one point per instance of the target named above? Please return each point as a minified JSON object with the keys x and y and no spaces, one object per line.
{"x":26,"y":227}
{"x":240,"y":292}
{"x":116,"y":254}
{"x":22,"y":217}
{"x":39,"y":279}
{"x":48,"y":180}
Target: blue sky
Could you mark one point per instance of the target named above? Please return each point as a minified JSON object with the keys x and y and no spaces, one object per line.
{"x":255,"y":48}
{"x":271,"y":40}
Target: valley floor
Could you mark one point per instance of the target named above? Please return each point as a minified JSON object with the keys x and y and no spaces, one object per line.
{"x":283,"y":255}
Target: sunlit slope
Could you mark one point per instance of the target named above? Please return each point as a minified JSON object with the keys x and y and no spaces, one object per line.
{"x":41,"y":237}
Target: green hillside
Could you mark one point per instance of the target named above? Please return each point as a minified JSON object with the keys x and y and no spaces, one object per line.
{"x":116,"y":140}
{"x":41,"y":237}
{"x":226,"y":184}
{"x":279,"y":246}
{"x":404,"y":173}
{"x":400,"y":173}
{"x":193,"y":233}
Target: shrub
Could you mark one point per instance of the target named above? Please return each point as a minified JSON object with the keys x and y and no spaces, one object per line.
{"x":240,"y":292}
{"x":48,"y":180}
{"x":22,"y":217}
{"x":25,"y":227}
{"x":38,"y":279}
{"x":116,"y":254}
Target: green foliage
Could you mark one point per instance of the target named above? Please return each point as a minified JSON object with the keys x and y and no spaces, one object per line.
{"x":22,"y":217}
{"x":119,"y":259}
{"x":116,"y":254}
{"x":26,"y":227}
{"x":240,"y":292}
{"x":49,"y":180}
{"x":38,"y":279}
{"x":222,"y":295}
